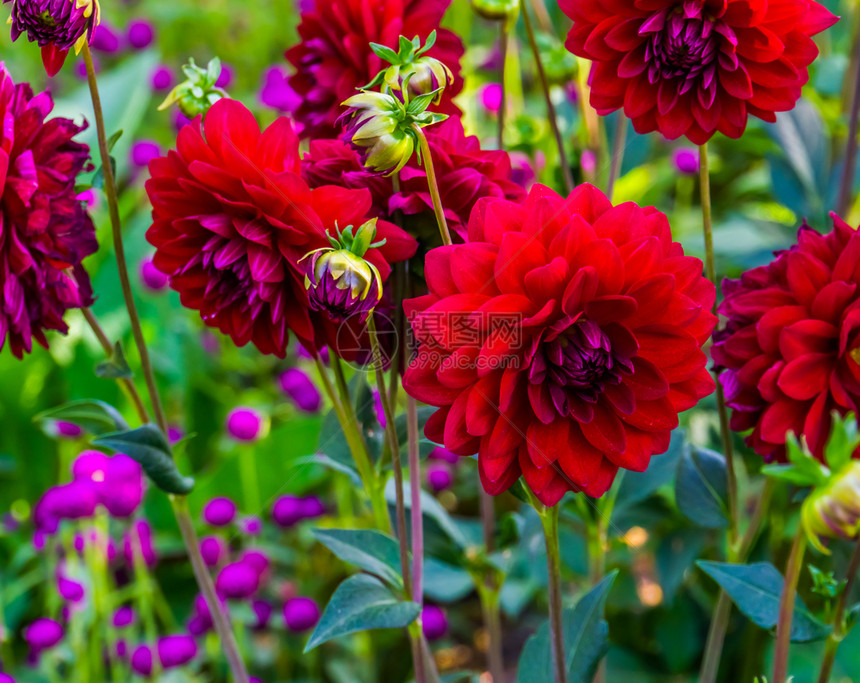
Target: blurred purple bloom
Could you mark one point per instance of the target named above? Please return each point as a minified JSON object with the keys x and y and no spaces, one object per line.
{"x":287,"y":511}
{"x":686,"y":160}
{"x":144,"y":151}
{"x":67,"y":430}
{"x":263,"y":612}
{"x":296,"y":384}
{"x":124,"y":616}
{"x":219,"y":511}
{"x":6,"y":678}
{"x":277,"y":93}
{"x":180,"y":120}
{"x":176,"y":650}
{"x":140,"y":534}
{"x":311,"y":507}
{"x":214,"y":550}
{"x":443,"y":454}
{"x":141,"y":660}
{"x":301,"y":614}
{"x":105,"y":39}
{"x":175,"y":434}
{"x":379,"y":409}
{"x":244,"y":424}
{"x":491,"y":97}
{"x":69,"y":589}
{"x":588,"y":161}
{"x":237,"y":581}
{"x":434,"y":622}
{"x":251,"y":526}
{"x":140,"y":34}
{"x":162,"y":78}
{"x":43,"y":634}
{"x":226,"y":76}
{"x":75,"y":500}
{"x":118,"y":480}
{"x":439,"y":476}
{"x":256,"y":559}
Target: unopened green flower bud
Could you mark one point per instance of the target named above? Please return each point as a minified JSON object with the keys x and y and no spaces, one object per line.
{"x":195,"y":95}
{"x":412,"y":69}
{"x":833,"y":510}
{"x":496,"y":10}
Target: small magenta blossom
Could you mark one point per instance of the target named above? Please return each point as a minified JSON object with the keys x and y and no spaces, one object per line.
{"x":213,"y":549}
{"x":297,"y":384}
{"x":434,"y":622}
{"x":237,"y":581}
{"x":219,"y":511}
{"x":140,"y":34}
{"x":42,"y":635}
{"x":301,"y":614}
{"x":245,"y":424}
{"x":686,"y":160}
{"x":439,"y":476}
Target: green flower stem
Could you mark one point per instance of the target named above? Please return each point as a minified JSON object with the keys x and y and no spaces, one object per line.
{"x":549,"y":519}
{"x":550,"y":107}
{"x":720,"y":619}
{"x":711,"y":270}
{"x":116,"y":228}
{"x":349,"y":424}
{"x":250,"y":480}
{"x":840,"y":628}
{"x":432,"y":183}
{"x":489,"y":593}
{"x":415,"y":494}
{"x":96,"y":559}
{"x":618,"y":146}
{"x":786,"y":606}
{"x":504,"y":40}
{"x":127,"y":386}
{"x":219,"y":617}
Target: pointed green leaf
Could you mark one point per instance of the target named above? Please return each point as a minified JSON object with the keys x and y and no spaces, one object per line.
{"x":430,"y":507}
{"x":586,"y":640}
{"x":367,"y":549}
{"x":637,"y":486}
{"x":331,"y":463}
{"x":113,"y":139}
{"x":96,"y":417}
{"x":385,"y":52}
{"x":431,"y":41}
{"x":361,"y":603}
{"x":444,"y":582}
{"x":700,"y":487}
{"x":756,"y":589}
{"x":149,"y":447}
{"x":116,"y":367}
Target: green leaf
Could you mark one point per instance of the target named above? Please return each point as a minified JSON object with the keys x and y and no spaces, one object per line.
{"x":446,"y":583}
{"x":331,"y":463}
{"x":116,"y":367}
{"x":149,"y":447}
{"x":430,"y":507}
{"x":756,"y":590}
{"x":367,"y":549}
{"x":99,"y":176}
{"x":361,"y":603}
{"x":96,"y":417}
{"x":113,"y":139}
{"x":418,"y":104}
{"x":700,"y":487}
{"x":637,"y":486}
{"x":213,"y":71}
{"x":431,"y":41}
{"x":586,"y":640}
{"x":385,"y":52}
{"x":405,"y":49}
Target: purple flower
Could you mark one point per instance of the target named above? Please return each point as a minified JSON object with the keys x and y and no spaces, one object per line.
{"x":245,"y":424}
{"x":296,"y":384}
{"x":301,"y":614}
{"x":434,"y":622}
{"x":144,"y":151}
{"x":141,"y":660}
{"x":140,"y":34}
{"x":251,"y":526}
{"x":302,"y":352}
{"x":75,"y":500}
{"x":138,"y":542}
{"x":226,"y":76}
{"x":219,"y":511}
{"x":151,"y":277}
{"x":686,"y":160}
{"x":379,"y":409}
{"x":67,"y":430}
{"x":105,"y":39}
{"x":175,"y":434}
{"x":287,"y":511}
{"x":69,"y":589}
{"x":311,"y":507}
{"x":256,"y":559}
{"x":237,"y":581}
{"x":162,"y":78}
{"x":124,"y":616}
{"x":263,"y":613}
{"x":277,"y":93}
{"x":6,"y":678}
{"x":491,"y":97}
{"x":443,"y":454}
{"x":43,"y":634}
{"x":201,"y":618}
{"x":97,"y":540}
{"x":176,"y":650}
{"x":118,"y":480}
{"x":180,"y":120}
{"x":439,"y":476}
{"x":214,"y":550}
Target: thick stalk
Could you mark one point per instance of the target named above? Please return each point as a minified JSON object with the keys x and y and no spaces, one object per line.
{"x":618,"y":146}
{"x":116,"y":229}
{"x":720,"y":619}
{"x":219,"y":616}
{"x":839,"y":626}
{"x":415,"y":493}
{"x":126,"y":385}
{"x":550,"y":107}
{"x":356,"y":444}
{"x":711,"y":270}
{"x":848,"y":172}
{"x":503,"y":48}
{"x":786,"y":607}
{"x":433,"y":184}
{"x":549,"y":518}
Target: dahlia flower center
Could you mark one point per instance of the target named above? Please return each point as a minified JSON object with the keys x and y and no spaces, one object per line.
{"x":684,"y":43}
{"x":579,"y":363}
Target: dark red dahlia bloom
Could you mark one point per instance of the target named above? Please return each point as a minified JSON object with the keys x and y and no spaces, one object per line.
{"x":465,"y":173}
{"x":45,"y":232}
{"x":561,"y":341}
{"x":334,"y":57}
{"x":789,"y":350}
{"x":695,"y":67}
{"x":232,"y":218}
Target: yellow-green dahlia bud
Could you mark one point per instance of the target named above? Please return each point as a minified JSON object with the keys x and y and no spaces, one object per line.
{"x":198,"y":92}
{"x":496,"y":10}
{"x":833,"y":510}
{"x":377,"y":126}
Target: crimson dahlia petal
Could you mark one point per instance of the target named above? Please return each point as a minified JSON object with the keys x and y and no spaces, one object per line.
{"x":789,"y":351}
{"x":561,"y":341}
{"x":45,"y":232}
{"x":334,"y":57}
{"x":695,"y":67}
{"x":232,"y":218}
{"x":465,"y":173}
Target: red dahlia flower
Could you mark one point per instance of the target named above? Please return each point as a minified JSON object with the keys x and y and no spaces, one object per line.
{"x":334,"y":57}
{"x":45,"y":232}
{"x":695,"y":67}
{"x":789,"y":351}
{"x":561,"y":341}
{"x":232,"y":218}
{"x":465,"y":173}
